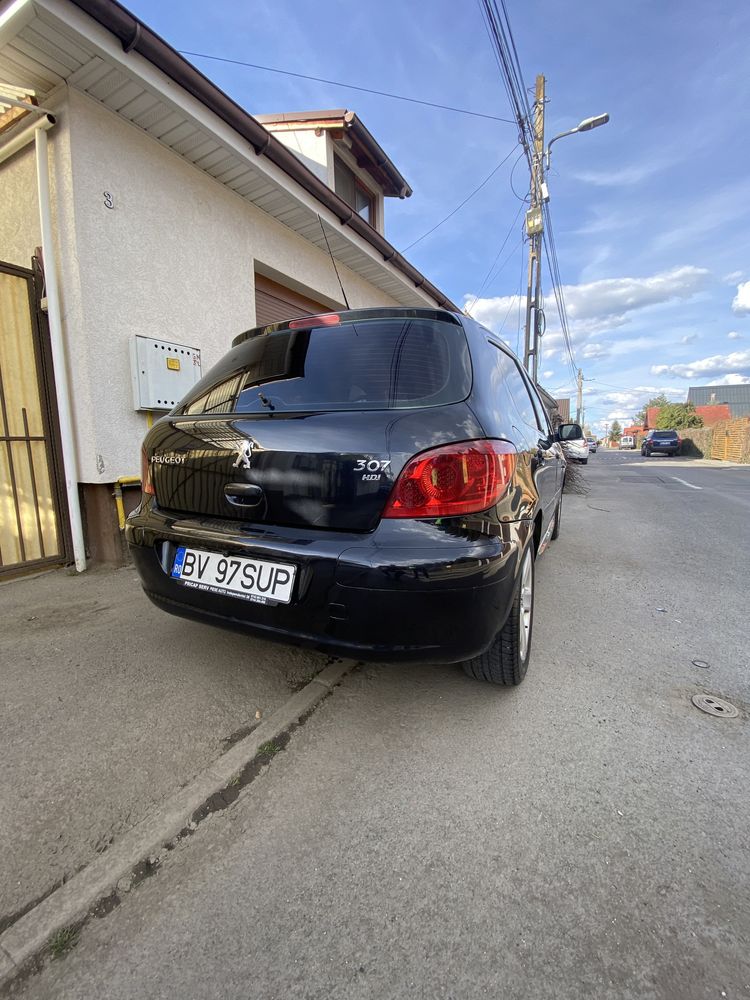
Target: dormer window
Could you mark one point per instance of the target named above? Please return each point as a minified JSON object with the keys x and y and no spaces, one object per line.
{"x":339,"y":150}
{"x":349,"y":187}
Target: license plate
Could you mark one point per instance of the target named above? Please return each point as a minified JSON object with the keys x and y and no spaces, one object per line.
{"x":252,"y":579}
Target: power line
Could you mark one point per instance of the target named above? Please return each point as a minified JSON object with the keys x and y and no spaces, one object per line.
{"x":554,"y":265}
{"x":347,"y":86}
{"x":492,"y":265}
{"x":503,"y":45}
{"x":466,"y":199}
{"x":608,"y":385}
{"x":525,"y":198}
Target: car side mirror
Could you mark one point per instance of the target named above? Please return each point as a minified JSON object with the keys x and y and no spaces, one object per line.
{"x":569,"y":432}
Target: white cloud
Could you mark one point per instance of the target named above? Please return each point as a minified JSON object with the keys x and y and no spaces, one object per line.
{"x":548,"y":374}
{"x":733,"y":335}
{"x":733,"y":278}
{"x":595,"y":308}
{"x":631,"y":400}
{"x":617,"y":178}
{"x":610,"y":300}
{"x":738,"y":362}
{"x":593,"y":351}
{"x":689,"y":338}
{"x":496,"y":313}
{"x":619,"y":415}
{"x":741,"y":301}
{"x":732,"y":379}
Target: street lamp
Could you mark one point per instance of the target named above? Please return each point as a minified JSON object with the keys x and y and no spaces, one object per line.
{"x":584,"y":126}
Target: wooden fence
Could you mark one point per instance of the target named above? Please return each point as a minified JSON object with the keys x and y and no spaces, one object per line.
{"x":728,"y":440}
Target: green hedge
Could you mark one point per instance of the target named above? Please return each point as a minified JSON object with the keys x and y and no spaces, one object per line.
{"x":697,"y":441}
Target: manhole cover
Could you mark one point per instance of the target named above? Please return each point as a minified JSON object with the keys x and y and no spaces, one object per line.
{"x":715,"y":706}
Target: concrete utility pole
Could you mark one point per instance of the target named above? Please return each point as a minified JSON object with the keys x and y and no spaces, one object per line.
{"x":535,"y":229}
{"x":579,"y":401}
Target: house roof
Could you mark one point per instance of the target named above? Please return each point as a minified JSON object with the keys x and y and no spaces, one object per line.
{"x":737,"y":397}
{"x":101,"y":49}
{"x":367,"y":152}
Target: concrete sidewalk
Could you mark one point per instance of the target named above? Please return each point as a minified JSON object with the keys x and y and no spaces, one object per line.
{"x":108,"y":706}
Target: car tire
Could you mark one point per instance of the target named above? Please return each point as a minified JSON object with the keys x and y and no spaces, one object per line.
{"x":507,"y":659}
{"x":584,"y":461}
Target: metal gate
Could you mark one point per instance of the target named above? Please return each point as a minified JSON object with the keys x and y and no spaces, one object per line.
{"x":33,"y":525}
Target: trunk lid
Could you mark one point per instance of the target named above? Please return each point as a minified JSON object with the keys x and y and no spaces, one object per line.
{"x":325,"y":470}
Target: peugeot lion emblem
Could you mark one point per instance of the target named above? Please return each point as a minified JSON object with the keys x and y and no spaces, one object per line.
{"x":244,"y":456}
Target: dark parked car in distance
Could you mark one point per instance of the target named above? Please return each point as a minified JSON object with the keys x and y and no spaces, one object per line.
{"x":374,"y":483}
{"x":661,"y":443}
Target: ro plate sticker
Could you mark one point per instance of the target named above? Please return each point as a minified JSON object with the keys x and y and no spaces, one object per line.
{"x":179,"y":561}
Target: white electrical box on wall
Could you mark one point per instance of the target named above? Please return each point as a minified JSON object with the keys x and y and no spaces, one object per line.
{"x":162,"y":372}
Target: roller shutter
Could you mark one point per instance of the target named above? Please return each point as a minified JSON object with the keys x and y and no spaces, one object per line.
{"x":275,"y":303}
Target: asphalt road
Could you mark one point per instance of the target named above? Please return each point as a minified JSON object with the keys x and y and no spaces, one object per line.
{"x":423,"y":835}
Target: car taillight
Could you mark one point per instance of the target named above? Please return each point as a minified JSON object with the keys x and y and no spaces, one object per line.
{"x":455,"y":479}
{"x":146,"y":483}
{"x":308,"y":322}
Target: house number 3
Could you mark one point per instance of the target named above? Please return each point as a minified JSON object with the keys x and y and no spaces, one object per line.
{"x":109,"y":201}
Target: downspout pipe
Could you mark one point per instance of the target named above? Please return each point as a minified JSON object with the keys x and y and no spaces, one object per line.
{"x":54,"y":316}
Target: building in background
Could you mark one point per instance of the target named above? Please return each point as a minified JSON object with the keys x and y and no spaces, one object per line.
{"x":736,"y":397}
{"x":710,"y":414}
{"x":563,"y":406}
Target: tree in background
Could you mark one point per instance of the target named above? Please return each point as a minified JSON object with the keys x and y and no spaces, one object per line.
{"x":676,"y":416}
{"x":640,"y":416}
{"x":615,"y":432}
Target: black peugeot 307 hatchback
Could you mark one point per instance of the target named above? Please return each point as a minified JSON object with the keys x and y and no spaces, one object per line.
{"x":374,"y":483}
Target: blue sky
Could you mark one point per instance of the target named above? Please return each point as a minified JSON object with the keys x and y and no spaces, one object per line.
{"x":651,"y":213}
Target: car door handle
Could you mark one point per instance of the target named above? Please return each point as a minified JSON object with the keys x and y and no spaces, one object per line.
{"x":243,"y":494}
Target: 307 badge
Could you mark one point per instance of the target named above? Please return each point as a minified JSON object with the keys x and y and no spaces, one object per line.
{"x":371,"y":468}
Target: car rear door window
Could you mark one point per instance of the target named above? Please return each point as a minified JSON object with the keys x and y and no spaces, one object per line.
{"x":516,"y":389}
{"x":369,"y":364}
{"x":542,"y":419}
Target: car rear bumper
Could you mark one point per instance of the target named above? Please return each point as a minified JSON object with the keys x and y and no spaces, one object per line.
{"x":411,"y":590}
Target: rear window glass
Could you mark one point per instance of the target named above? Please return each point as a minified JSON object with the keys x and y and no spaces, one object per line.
{"x":665,"y":435}
{"x":370,"y":364}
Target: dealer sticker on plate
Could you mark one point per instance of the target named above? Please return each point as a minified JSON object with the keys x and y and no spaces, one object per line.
{"x":252,"y":579}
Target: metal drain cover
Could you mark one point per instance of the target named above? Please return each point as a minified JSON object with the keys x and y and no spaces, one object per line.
{"x":715,"y":706}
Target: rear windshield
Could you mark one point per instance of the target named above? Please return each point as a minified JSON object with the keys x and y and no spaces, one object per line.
{"x":665,"y":435}
{"x":370,"y":364}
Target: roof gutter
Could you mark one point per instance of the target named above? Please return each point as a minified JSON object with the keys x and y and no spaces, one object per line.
{"x":378,"y":154}
{"x":135,"y":36}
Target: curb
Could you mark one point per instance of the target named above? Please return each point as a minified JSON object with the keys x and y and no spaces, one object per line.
{"x":73,"y":902}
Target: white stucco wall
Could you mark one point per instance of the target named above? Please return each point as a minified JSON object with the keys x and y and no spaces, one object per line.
{"x":173,"y":259}
{"x":19,"y":212}
{"x":312,"y":149}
